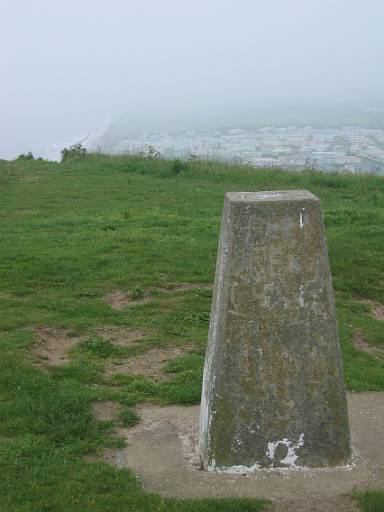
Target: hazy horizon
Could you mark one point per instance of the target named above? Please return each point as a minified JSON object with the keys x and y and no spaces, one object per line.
{"x":153,"y":65}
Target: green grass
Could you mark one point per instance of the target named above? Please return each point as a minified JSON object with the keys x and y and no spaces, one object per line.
{"x":186,"y":363}
{"x":128,"y":418}
{"x":71,"y":233}
{"x":99,"y":347}
{"x":370,"y":501}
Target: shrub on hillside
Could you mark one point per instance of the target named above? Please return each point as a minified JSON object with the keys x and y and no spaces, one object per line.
{"x":74,"y":151}
{"x":27,"y":156}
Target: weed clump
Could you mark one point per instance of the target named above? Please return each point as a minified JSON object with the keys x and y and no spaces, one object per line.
{"x":137,"y":293}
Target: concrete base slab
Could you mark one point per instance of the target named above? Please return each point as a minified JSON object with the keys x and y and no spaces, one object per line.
{"x":163,"y":451}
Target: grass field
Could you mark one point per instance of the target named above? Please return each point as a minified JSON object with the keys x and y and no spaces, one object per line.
{"x":71,"y":234}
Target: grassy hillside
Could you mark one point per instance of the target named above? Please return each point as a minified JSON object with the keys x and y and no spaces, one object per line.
{"x":70,"y":235}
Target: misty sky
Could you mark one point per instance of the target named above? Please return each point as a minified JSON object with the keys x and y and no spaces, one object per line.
{"x":69,"y":66}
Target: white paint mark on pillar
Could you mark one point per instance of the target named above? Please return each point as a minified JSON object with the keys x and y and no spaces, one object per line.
{"x":302,"y":217}
{"x":233,"y":470}
{"x":301,"y":296}
{"x":291,"y":457}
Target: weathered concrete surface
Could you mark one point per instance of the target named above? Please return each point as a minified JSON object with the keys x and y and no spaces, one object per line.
{"x":273,"y":393}
{"x":162,"y":449}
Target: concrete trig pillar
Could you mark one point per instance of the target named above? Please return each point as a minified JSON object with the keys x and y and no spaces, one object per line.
{"x":273,"y":392}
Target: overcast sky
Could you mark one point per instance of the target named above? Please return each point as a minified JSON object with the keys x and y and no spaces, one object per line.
{"x":69,"y":66}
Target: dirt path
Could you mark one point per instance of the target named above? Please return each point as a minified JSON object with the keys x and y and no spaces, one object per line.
{"x":162,"y":450}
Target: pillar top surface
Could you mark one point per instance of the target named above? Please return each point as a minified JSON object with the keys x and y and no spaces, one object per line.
{"x":270,"y":195}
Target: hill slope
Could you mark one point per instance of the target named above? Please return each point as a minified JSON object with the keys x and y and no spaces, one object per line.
{"x":102,"y":252}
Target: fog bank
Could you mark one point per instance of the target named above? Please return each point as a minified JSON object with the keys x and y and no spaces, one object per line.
{"x":67,"y":68}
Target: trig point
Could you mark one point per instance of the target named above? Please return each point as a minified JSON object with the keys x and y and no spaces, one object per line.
{"x":273,"y":392}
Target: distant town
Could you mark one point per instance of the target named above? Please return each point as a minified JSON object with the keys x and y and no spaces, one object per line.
{"x":350,"y":149}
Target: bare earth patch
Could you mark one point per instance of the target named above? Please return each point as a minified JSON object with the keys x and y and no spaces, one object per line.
{"x":121,"y":336}
{"x":119,"y":300}
{"x":163,"y":451}
{"x":107,"y":410}
{"x":377,"y":309}
{"x":6,"y":296}
{"x":53,"y":346}
{"x":149,"y":364}
{"x":109,"y":456}
{"x":54,"y":343}
{"x":5,"y":439}
{"x":360,"y":343}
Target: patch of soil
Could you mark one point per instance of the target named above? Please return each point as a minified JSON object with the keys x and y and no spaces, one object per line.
{"x":377,"y":309}
{"x":121,"y":336}
{"x":163,"y":451}
{"x":107,"y":410}
{"x":360,"y":343}
{"x":119,"y":300}
{"x":53,"y":346}
{"x":115,"y":457}
{"x":149,"y":364}
{"x":5,"y":439}
{"x":16,"y":297}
